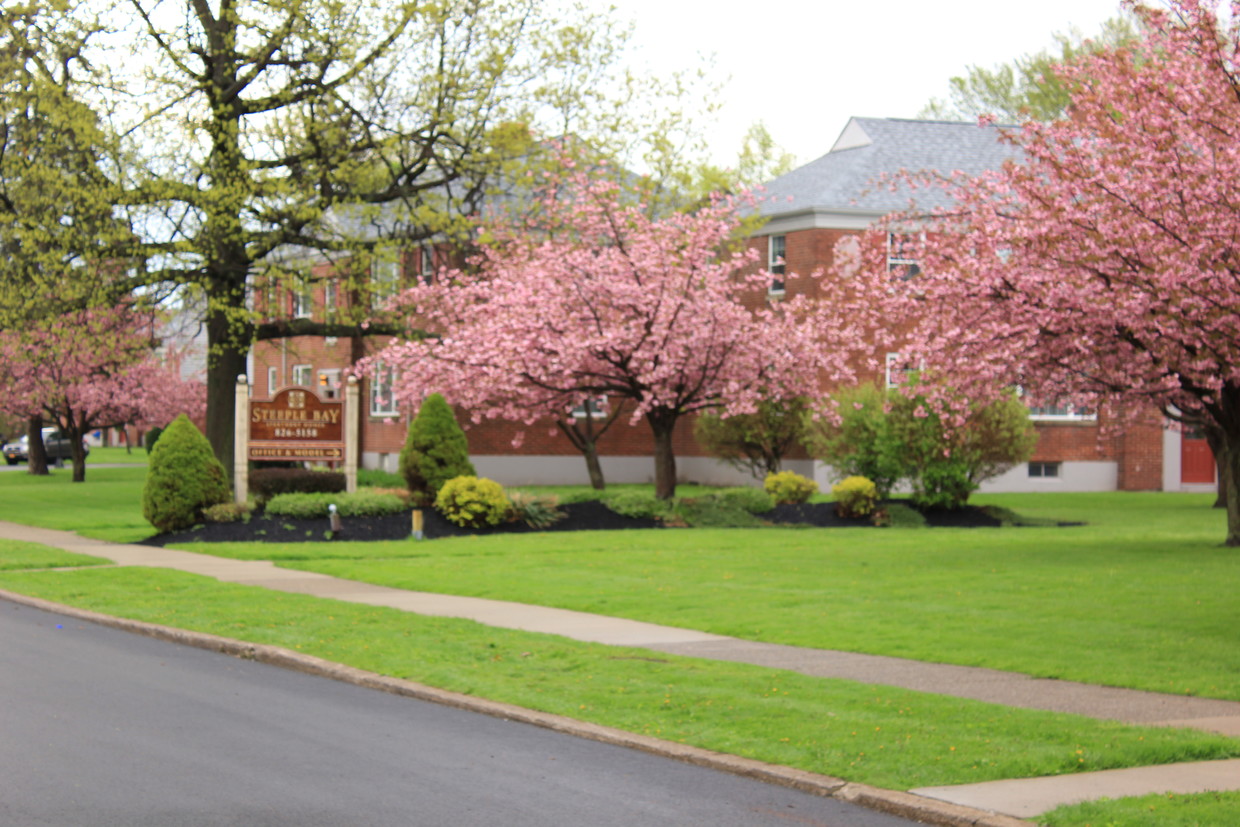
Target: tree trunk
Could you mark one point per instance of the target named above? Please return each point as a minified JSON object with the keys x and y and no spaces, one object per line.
{"x":661,"y":424}
{"x":36,"y":454}
{"x":593,"y":467}
{"x":1214,"y":438}
{"x":228,"y":341}
{"x":1228,"y":459}
{"x":76,"y":453}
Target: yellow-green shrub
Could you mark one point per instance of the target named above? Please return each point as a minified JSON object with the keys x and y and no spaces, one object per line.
{"x":472,"y":502}
{"x":788,"y":487}
{"x":855,"y":497}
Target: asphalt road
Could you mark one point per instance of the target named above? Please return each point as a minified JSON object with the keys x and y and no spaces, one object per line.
{"x":101,"y":727}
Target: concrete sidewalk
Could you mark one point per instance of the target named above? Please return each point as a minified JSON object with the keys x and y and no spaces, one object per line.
{"x":1020,"y":798}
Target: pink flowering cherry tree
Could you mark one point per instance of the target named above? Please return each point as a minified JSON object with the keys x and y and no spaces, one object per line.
{"x":667,"y":315}
{"x":1104,"y":267}
{"x":92,"y":369}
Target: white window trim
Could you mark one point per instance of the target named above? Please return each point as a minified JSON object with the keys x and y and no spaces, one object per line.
{"x":303,"y":300}
{"x":305,"y":372}
{"x":895,"y":261}
{"x":393,"y":408}
{"x":273,"y":380}
{"x":777,"y":265}
{"x":890,"y":371}
{"x":384,"y":281}
{"x":1044,"y":464}
{"x":328,"y":383}
{"x":599,"y":409}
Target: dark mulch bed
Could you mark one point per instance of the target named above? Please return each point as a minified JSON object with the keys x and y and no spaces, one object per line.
{"x":264,"y":529}
{"x":580,"y":517}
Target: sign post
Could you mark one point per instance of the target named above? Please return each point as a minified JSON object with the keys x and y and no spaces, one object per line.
{"x":241,"y":438}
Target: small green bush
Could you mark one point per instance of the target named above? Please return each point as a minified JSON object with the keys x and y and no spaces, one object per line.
{"x":266,"y":483}
{"x":472,"y":502}
{"x":184,"y":477}
{"x":637,"y":504}
{"x":150,"y":438}
{"x":789,"y":487}
{"x":752,"y":500}
{"x":315,"y":506}
{"x":435,"y":451}
{"x":535,"y":510}
{"x":855,"y":497}
{"x":227,"y":513}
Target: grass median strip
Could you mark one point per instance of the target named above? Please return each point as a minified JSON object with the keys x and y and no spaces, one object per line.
{"x":879,"y":735}
{"x":17,"y":555}
{"x":1165,"y":810}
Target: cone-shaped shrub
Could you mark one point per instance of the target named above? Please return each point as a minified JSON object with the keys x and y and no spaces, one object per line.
{"x":183,"y":478}
{"x":435,"y":451}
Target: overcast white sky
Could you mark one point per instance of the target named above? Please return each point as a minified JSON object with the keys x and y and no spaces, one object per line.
{"x":803,"y":67}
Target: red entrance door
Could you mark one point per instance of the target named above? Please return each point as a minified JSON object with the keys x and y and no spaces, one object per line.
{"x":1196,"y":459}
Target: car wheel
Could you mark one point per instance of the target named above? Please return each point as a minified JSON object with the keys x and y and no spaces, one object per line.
{"x":11,"y":460}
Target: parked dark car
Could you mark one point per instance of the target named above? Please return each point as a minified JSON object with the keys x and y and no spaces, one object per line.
{"x":57,"y":446}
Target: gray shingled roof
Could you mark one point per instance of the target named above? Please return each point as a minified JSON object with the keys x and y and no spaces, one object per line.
{"x":844,"y":179}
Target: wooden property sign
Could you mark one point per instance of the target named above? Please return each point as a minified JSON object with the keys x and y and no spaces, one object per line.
{"x":296,"y":425}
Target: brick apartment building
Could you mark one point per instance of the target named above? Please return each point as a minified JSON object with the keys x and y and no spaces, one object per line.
{"x":807,"y":212}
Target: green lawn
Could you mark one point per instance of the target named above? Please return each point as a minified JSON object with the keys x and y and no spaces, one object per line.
{"x":878,"y":735}
{"x":117,"y":456}
{"x":108,"y":505}
{"x":1143,"y":596}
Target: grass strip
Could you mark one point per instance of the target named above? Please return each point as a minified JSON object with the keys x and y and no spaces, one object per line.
{"x":108,"y":506}
{"x":1142,"y":597}
{"x":1163,"y":809}
{"x":16,"y":555}
{"x":878,"y":735}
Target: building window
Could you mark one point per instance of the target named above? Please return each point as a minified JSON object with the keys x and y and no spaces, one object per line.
{"x":384,"y":279}
{"x":382,"y":397}
{"x":330,"y":292}
{"x":329,"y":384}
{"x":302,"y":299}
{"x":898,"y":371}
{"x":1044,"y":469}
{"x":273,"y":381}
{"x":302,"y":375}
{"x":593,"y":408}
{"x":777,"y":247}
{"x":426,"y":263}
{"x":1066,"y":412}
{"x":903,"y":251}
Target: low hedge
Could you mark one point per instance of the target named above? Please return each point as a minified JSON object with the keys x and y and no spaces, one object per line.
{"x":314,"y":506}
{"x":266,"y":483}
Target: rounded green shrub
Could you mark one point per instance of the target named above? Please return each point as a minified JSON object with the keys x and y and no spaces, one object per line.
{"x":183,"y":478}
{"x":855,"y":497}
{"x":435,"y":451}
{"x":788,"y":487}
{"x":472,"y":502}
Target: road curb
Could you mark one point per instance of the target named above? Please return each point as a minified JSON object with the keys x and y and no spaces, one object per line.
{"x":902,"y":804}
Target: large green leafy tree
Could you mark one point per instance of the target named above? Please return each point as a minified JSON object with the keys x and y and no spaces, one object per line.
{"x":61,"y":244}
{"x":1027,"y":88}
{"x":260,"y":134}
